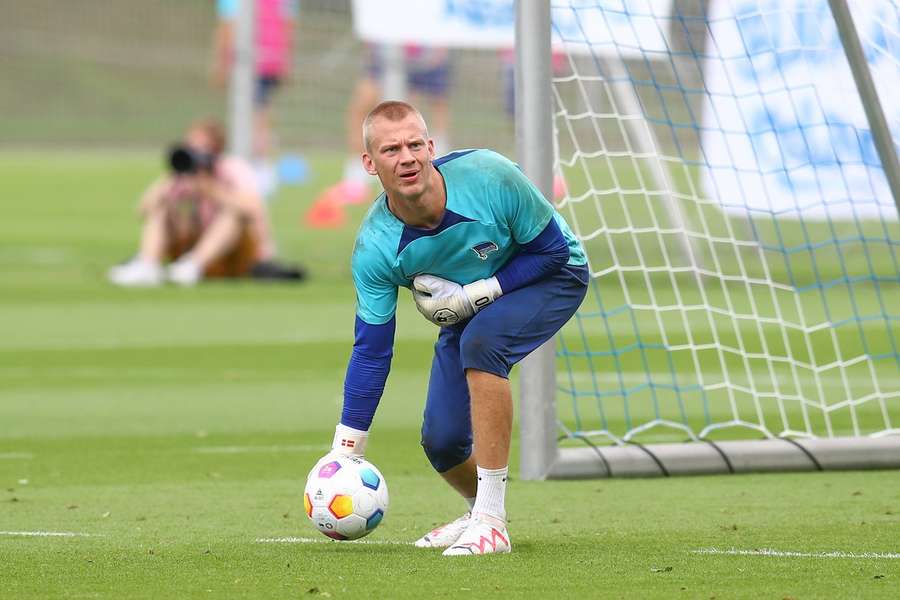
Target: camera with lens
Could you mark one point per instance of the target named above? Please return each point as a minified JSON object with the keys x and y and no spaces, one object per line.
{"x":184,"y":160}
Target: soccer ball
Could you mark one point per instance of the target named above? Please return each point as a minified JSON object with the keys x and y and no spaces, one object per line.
{"x":345,"y":498}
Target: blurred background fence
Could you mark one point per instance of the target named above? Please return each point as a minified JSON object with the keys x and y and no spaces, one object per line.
{"x":95,"y":73}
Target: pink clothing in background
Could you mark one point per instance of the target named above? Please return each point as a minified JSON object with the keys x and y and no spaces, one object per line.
{"x":273,"y":47}
{"x":274,"y":18}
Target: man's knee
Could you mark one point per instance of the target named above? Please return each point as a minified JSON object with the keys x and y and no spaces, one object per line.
{"x":479,"y":349}
{"x":446,"y":449}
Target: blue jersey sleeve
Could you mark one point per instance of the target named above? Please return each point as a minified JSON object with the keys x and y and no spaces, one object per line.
{"x":290,"y":9}
{"x":541,"y":257}
{"x":376,"y":293}
{"x":524,"y":207}
{"x":227,"y":9}
{"x":367,"y":372}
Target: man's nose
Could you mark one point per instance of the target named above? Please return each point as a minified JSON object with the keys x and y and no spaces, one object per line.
{"x":406,"y":156}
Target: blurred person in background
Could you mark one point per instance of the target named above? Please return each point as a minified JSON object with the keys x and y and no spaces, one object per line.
{"x":428,"y":71}
{"x":275,"y":21}
{"x":205,"y":215}
{"x":560,"y":68}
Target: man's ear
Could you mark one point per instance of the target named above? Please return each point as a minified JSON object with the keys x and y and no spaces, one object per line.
{"x":368,"y":164}
{"x":431,"y":152}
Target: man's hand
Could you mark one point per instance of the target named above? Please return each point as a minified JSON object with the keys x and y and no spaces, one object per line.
{"x":444,"y":302}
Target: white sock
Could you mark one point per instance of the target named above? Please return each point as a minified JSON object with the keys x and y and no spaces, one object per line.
{"x":491,"y":495}
{"x":470,"y":502}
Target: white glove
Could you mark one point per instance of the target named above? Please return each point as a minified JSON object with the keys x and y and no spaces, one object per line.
{"x":444,"y":302}
{"x":347,"y":442}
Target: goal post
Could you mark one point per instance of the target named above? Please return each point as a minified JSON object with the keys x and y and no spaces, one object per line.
{"x":534,"y":150}
{"x":735,"y":199}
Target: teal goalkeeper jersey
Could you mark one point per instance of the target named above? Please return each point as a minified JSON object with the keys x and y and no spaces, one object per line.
{"x":492,"y":209}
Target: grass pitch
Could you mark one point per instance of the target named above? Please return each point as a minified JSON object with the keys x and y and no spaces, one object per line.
{"x":170,"y":431}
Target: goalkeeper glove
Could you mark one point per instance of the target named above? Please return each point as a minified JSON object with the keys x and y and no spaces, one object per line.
{"x":445,"y":302}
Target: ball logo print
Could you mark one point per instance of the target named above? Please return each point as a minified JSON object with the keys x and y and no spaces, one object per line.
{"x":329,"y":469}
{"x":346,"y":499}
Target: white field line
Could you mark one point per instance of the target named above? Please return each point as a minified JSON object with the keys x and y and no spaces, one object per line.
{"x":16,"y":455}
{"x":64,"y":534}
{"x":257,"y":449}
{"x":789,"y":554}
{"x":324,"y":540}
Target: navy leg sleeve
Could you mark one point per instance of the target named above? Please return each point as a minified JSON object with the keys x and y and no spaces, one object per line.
{"x":447,"y":427}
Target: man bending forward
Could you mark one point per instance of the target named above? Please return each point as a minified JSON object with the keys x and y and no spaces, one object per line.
{"x":490,"y":261}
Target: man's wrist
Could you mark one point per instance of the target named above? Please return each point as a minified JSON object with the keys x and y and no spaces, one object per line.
{"x":483,"y":292}
{"x":348,"y":440}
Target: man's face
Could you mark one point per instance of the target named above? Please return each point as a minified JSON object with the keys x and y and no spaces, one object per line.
{"x":400,"y":153}
{"x":198,"y":139}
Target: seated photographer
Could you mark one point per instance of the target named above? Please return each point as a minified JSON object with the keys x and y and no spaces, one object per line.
{"x":205,"y":216}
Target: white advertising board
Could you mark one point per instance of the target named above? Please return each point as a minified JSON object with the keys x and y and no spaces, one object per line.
{"x":784,"y":130}
{"x":623,"y":26}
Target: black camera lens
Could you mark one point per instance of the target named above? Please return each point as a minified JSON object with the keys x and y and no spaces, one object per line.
{"x":182,"y":160}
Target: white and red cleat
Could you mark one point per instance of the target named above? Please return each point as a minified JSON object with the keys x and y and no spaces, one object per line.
{"x":484,"y":535}
{"x":445,"y":535}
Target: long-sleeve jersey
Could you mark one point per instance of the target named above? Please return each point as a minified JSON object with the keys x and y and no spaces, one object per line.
{"x":495,"y":223}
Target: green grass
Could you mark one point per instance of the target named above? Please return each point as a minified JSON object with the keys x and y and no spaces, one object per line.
{"x":118,"y":409}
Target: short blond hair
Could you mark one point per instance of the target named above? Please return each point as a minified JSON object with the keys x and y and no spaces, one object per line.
{"x":392,"y":110}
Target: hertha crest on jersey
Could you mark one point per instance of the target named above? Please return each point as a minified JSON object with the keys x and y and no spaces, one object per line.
{"x":484,"y":248}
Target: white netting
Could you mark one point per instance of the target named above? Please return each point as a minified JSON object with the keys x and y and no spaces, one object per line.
{"x":741,"y":234}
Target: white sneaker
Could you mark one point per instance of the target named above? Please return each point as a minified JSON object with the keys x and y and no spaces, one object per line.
{"x":445,"y":535}
{"x":136,"y":273}
{"x":184,"y":271}
{"x":485,"y":534}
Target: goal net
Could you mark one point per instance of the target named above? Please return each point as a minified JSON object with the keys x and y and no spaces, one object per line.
{"x":742,"y":237}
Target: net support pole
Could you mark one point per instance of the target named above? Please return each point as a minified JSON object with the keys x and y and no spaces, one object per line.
{"x":853,"y":50}
{"x":393,"y":79}
{"x":534,"y":151}
{"x":242,"y":81}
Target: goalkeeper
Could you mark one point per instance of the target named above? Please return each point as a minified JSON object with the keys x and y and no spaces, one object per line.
{"x":490,"y":261}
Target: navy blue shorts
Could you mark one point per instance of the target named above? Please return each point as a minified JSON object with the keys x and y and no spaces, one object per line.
{"x":493,"y":340}
{"x":428,"y":79}
{"x":265,"y":87}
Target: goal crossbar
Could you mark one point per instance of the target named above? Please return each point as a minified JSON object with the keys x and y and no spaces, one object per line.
{"x":741,"y":456}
